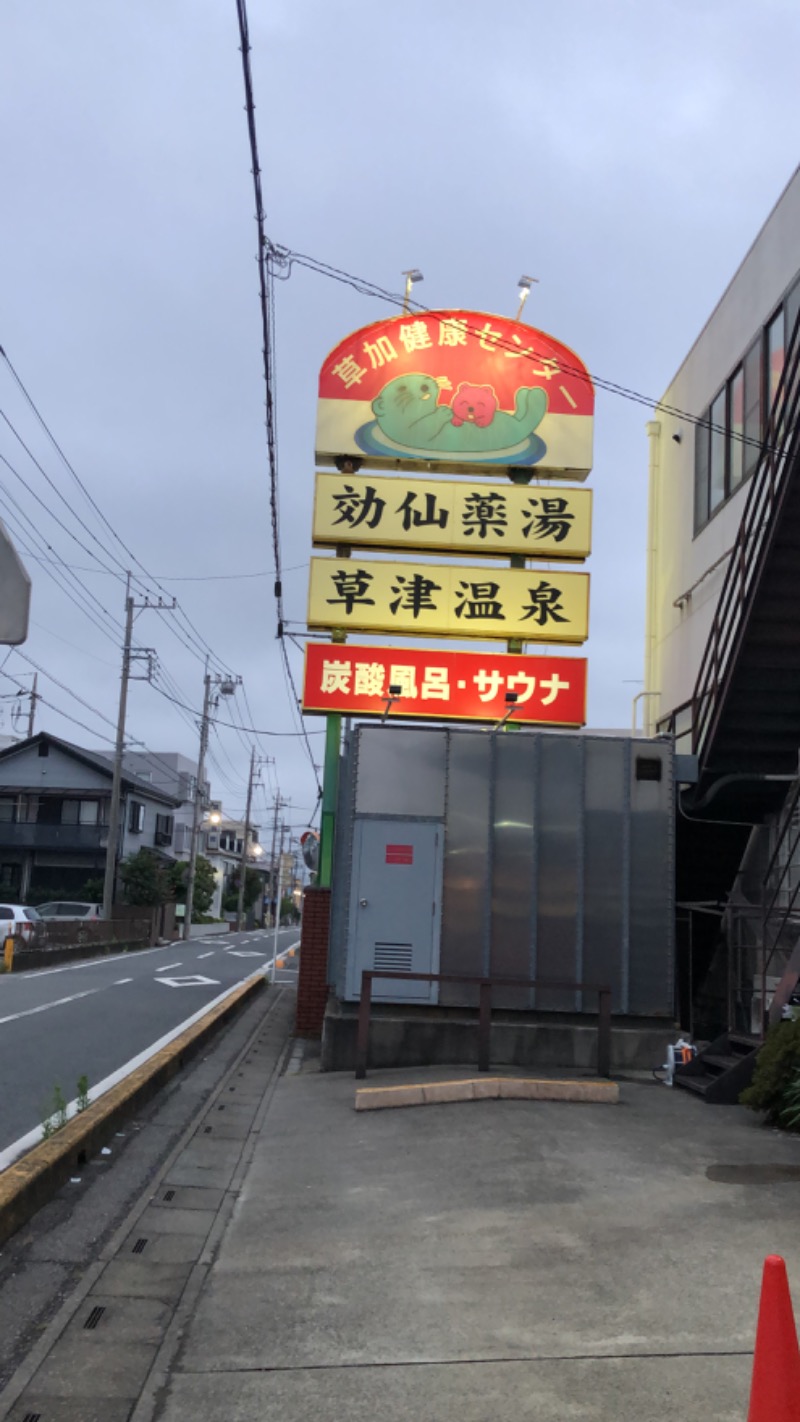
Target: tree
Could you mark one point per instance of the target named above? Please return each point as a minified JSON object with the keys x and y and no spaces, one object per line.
{"x":205,"y":883}
{"x":253,"y":884}
{"x":145,"y":882}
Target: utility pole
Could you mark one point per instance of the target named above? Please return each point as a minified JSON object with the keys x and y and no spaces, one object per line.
{"x":34,"y":699}
{"x":226,"y":687}
{"x":278,"y":886}
{"x":116,"y":782}
{"x":128,"y":655}
{"x":245,"y":836}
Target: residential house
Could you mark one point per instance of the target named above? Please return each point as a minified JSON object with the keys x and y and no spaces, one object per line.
{"x":222,"y":845}
{"x":54,"y":813}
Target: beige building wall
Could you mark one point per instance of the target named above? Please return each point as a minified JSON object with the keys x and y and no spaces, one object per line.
{"x":686,"y":570}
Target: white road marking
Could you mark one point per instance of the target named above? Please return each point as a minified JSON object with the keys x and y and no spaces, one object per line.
{"x":45,"y":1006}
{"x":205,"y":955}
{"x":120,"y":981}
{"x":248,"y":953}
{"x":93,"y":962}
{"x":32,"y":1138}
{"x":165,"y":967}
{"x":195,"y":981}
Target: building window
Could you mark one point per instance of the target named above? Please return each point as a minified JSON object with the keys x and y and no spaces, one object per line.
{"x":8,"y":811}
{"x":716,"y":480}
{"x":43,"y":748}
{"x":729,"y":433}
{"x":752,"y":407}
{"x":163,"y":829}
{"x":736,"y":430}
{"x":136,"y":817}
{"x":774,"y":355}
{"x":80,"y":812}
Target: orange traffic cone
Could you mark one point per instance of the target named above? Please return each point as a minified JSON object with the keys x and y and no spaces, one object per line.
{"x":775,"y":1389}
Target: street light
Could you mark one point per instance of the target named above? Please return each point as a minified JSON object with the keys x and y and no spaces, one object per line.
{"x":511,"y":699}
{"x":524,"y":284}
{"x":412,"y":277}
{"x":395,"y":692}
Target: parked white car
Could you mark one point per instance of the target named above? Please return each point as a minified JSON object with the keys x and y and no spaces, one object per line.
{"x":68,"y":911}
{"x":18,"y":921}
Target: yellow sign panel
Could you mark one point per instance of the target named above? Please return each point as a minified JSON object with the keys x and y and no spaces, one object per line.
{"x":444,"y":516}
{"x":447,"y":600}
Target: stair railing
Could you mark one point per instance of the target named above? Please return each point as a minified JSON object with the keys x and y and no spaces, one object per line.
{"x":750,"y":551}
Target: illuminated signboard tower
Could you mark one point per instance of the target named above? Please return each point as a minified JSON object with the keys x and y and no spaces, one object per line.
{"x":457,"y":411}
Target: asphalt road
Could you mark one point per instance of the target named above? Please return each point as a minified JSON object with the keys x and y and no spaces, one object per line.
{"x":96,"y":1018}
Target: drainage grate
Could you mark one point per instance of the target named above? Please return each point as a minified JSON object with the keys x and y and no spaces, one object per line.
{"x":169,"y":1194}
{"x":139,"y":1246}
{"x":32,"y":1417}
{"x":95,"y":1316}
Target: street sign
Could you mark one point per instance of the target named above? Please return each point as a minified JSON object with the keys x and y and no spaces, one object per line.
{"x":449,"y":600}
{"x":15,"y":594}
{"x":457,"y":390}
{"x":452,"y":516}
{"x":444,"y":686}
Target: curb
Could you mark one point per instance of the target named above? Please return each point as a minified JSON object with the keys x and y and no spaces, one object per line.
{"x":33,"y":1180}
{"x":487,"y":1088}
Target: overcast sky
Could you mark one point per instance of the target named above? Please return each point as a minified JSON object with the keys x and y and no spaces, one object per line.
{"x":625,"y":152}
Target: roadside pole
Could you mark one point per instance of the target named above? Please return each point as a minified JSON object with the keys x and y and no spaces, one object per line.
{"x":243,"y":862}
{"x":330,"y":792}
{"x":196,"y":809}
{"x":277,"y":919}
{"x":116,"y":782}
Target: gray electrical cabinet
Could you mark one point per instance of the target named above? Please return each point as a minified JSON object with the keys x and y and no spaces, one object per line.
{"x":545,"y":855}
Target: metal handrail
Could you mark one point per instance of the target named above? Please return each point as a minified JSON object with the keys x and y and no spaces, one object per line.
{"x":746,"y":566}
{"x":485,"y":986}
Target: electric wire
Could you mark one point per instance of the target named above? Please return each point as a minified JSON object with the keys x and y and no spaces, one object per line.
{"x":285,"y":258}
{"x":59,"y":710}
{"x":267,"y":312}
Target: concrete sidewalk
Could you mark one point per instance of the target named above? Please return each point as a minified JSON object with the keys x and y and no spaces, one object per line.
{"x":492,"y":1260}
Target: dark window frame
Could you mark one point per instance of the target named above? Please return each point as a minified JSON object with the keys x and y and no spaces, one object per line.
{"x":756,"y":360}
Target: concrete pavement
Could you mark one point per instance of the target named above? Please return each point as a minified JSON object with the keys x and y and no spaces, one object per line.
{"x":503,"y":1260}
{"x":511,"y":1260}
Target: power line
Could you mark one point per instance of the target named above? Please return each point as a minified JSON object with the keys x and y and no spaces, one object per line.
{"x":250,"y":730}
{"x":267,"y":310}
{"x":285,"y":258}
{"x":192,"y":638}
{"x":59,"y":711}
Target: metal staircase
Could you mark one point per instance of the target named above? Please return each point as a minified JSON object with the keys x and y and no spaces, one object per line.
{"x":746,"y":702}
{"x":744,"y":721}
{"x":721,"y":1072}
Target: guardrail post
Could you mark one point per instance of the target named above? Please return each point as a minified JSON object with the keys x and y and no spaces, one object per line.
{"x":604,"y":1032}
{"x":484,"y":1026}
{"x":362,"y":1039}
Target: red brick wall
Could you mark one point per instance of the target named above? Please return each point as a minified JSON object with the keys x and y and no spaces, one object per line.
{"x":312,"y":987}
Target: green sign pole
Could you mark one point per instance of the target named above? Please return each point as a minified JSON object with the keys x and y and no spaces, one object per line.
{"x":330,"y":791}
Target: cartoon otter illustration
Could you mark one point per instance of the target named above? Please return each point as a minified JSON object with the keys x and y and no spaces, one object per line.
{"x":407,"y":413}
{"x":475,"y":404}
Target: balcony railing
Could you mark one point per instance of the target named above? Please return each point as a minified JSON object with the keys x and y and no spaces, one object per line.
{"x":72,"y":838}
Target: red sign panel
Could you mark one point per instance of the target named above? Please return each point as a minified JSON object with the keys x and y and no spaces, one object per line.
{"x":457,"y":390}
{"x":444,"y":686}
{"x":399,"y":854}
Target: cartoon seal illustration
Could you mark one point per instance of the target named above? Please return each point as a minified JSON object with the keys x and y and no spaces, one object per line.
{"x":407,"y":413}
{"x":474,"y":404}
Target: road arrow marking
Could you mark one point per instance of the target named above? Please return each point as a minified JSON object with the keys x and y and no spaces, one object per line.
{"x":195,"y":981}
